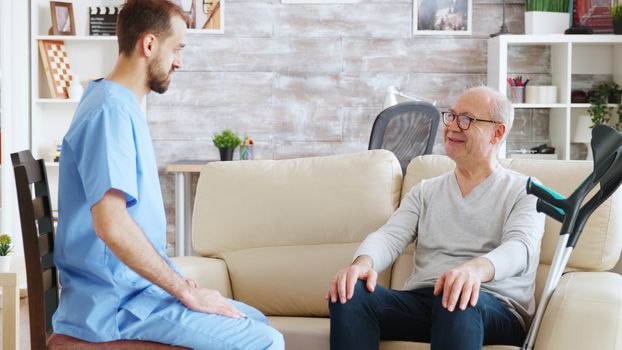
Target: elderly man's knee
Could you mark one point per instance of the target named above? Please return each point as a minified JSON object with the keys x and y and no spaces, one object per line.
{"x":360,"y":297}
{"x":457,"y":318}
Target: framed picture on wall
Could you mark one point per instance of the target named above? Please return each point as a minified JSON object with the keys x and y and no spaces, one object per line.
{"x":442,"y":17}
{"x":593,"y":14}
{"x":62,"y":18}
{"x":205,"y":16}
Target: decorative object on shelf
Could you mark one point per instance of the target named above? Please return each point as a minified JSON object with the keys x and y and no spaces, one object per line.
{"x":593,"y":15}
{"x":56,"y":154}
{"x":62,"y":18}
{"x":6,"y":247}
{"x":103,"y":20}
{"x":504,"y":27}
{"x":578,"y":96}
{"x":246,"y":148}
{"x":583,"y":134}
{"x":601,"y":95}
{"x":203,"y":15}
{"x":546,"y":16}
{"x":57,"y":67}
{"x":517,"y":88}
{"x":442,"y":17}
{"x":75,"y":90}
{"x":227,"y":142}
{"x":541,"y":94}
{"x":616,"y":14}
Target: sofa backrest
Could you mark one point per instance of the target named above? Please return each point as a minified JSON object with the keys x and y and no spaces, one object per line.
{"x":599,"y":246}
{"x":285,"y":227}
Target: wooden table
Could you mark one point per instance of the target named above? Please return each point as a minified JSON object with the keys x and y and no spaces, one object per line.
{"x":183,"y":170}
{"x":10,"y":310}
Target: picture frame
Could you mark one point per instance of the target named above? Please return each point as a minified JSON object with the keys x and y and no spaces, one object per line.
{"x":63,"y":22}
{"x":442,"y":17}
{"x":205,"y":16}
{"x":593,"y":14}
{"x":56,"y":66}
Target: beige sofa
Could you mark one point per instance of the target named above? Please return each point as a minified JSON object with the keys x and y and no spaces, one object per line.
{"x":273,"y":233}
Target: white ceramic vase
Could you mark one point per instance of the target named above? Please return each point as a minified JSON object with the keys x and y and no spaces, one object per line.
{"x":5,"y":263}
{"x":75,"y":90}
{"x":541,"y":23}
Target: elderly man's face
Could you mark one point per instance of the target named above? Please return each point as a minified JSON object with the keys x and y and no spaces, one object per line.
{"x":478,"y":141}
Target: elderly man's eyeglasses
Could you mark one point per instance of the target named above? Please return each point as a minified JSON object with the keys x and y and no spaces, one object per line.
{"x":463,"y":120}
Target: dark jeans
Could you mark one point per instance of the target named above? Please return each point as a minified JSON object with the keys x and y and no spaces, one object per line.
{"x":419,"y":316}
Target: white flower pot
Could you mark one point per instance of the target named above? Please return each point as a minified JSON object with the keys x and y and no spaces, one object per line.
{"x":537,"y":22}
{"x":5,"y":263}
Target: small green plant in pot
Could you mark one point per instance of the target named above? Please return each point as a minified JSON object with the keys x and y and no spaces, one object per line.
{"x":546,"y":16}
{"x":616,"y":14}
{"x":6,"y":247}
{"x":227,"y":142}
{"x":602,"y":94}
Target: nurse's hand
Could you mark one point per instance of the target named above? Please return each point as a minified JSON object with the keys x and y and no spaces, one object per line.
{"x":209,"y":301}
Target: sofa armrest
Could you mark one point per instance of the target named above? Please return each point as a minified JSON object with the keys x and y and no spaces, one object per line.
{"x":208,"y":272}
{"x":585,"y":312}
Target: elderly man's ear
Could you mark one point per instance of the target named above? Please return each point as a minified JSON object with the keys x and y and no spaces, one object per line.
{"x":498,"y":134}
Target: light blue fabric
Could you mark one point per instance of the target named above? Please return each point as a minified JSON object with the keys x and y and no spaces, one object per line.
{"x":108,"y":146}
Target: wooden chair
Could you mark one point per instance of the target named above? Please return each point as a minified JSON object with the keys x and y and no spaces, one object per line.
{"x":41,"y":274}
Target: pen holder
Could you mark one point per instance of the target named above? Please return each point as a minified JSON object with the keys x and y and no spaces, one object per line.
{"x":246,"y":152}
{"x":517,"y":94}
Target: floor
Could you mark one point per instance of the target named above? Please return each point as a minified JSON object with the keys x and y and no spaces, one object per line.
{"x":24,"y":328}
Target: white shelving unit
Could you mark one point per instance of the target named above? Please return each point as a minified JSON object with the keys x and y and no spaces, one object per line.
{"x":571,"y":55}
{"x":90,"y":57}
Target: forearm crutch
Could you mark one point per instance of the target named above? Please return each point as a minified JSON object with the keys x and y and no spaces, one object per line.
{"x":607,"y":150}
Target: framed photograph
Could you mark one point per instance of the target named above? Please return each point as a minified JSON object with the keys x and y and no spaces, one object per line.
{"x":442,"y":17}
{"x":62,"y":18}
{"x":205,"y":16}
{"x":594,"y":14}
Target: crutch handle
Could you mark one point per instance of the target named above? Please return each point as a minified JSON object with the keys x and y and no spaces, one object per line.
{"x":544,"y":193}
{"x":550,"y":210}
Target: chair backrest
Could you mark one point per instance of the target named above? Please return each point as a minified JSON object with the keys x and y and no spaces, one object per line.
{"x":38,"y":235}
{"x":407,"y":129}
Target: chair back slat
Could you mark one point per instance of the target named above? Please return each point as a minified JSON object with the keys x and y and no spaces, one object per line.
{"x":38,"y":237}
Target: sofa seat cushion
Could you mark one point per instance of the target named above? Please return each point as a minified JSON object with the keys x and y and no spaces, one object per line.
{"x":312,"y":333}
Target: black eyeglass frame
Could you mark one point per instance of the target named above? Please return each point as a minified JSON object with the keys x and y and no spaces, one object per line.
{"x":449,"y":117}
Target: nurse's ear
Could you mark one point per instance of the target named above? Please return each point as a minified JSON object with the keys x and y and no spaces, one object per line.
{"x":147,"y":45}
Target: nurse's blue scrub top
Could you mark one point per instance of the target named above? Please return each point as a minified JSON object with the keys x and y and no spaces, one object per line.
{"x":108,"y":146}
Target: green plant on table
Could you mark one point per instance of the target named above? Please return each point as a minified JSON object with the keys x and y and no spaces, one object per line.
{"x":227,"y":139}
{"x":599,"y":110}
{"x":6,"y":245}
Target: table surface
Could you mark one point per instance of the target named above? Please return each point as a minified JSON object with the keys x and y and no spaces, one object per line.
{"x":188,"y":165}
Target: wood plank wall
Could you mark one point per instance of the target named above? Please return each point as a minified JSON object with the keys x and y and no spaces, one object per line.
{"x":309,"y":79}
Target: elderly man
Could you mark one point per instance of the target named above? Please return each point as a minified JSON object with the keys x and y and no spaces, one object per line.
{"x":478,"y":241}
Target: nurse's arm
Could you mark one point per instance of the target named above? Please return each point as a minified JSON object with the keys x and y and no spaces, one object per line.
{"x":126,"y":240}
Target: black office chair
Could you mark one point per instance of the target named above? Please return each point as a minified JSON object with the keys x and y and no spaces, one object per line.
{"x":41,"y":274}
{"x":407,"y":129}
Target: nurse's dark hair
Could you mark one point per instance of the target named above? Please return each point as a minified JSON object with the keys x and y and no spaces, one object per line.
{"x":139,"y":17}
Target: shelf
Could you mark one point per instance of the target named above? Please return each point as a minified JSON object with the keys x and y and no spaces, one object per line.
{"x":56,"y":101}
{"x":540,"y":105}
{"x":77,"y":37}
{"x":587,"y":105}
{"x":558,"y":39}
{"x":52,"y":164}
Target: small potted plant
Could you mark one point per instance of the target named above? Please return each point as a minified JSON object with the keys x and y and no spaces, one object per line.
{"x":546,"y":16}
{"x":6,"y":247}
{"x":227,"y":142}
{"x":616,"y":14}
{"x":601,"y":96}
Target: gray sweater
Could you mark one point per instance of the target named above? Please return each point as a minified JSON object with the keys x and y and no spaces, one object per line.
{"x":497,"y":220}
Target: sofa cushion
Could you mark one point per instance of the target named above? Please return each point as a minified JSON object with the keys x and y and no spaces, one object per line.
{"x":311,"y":333}
{"x":265,"y":203}
{"x":285,"y":227}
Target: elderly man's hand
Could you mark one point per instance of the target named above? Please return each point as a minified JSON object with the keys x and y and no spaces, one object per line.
{"x":342,"y":285}
{"x":463,"y":283}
